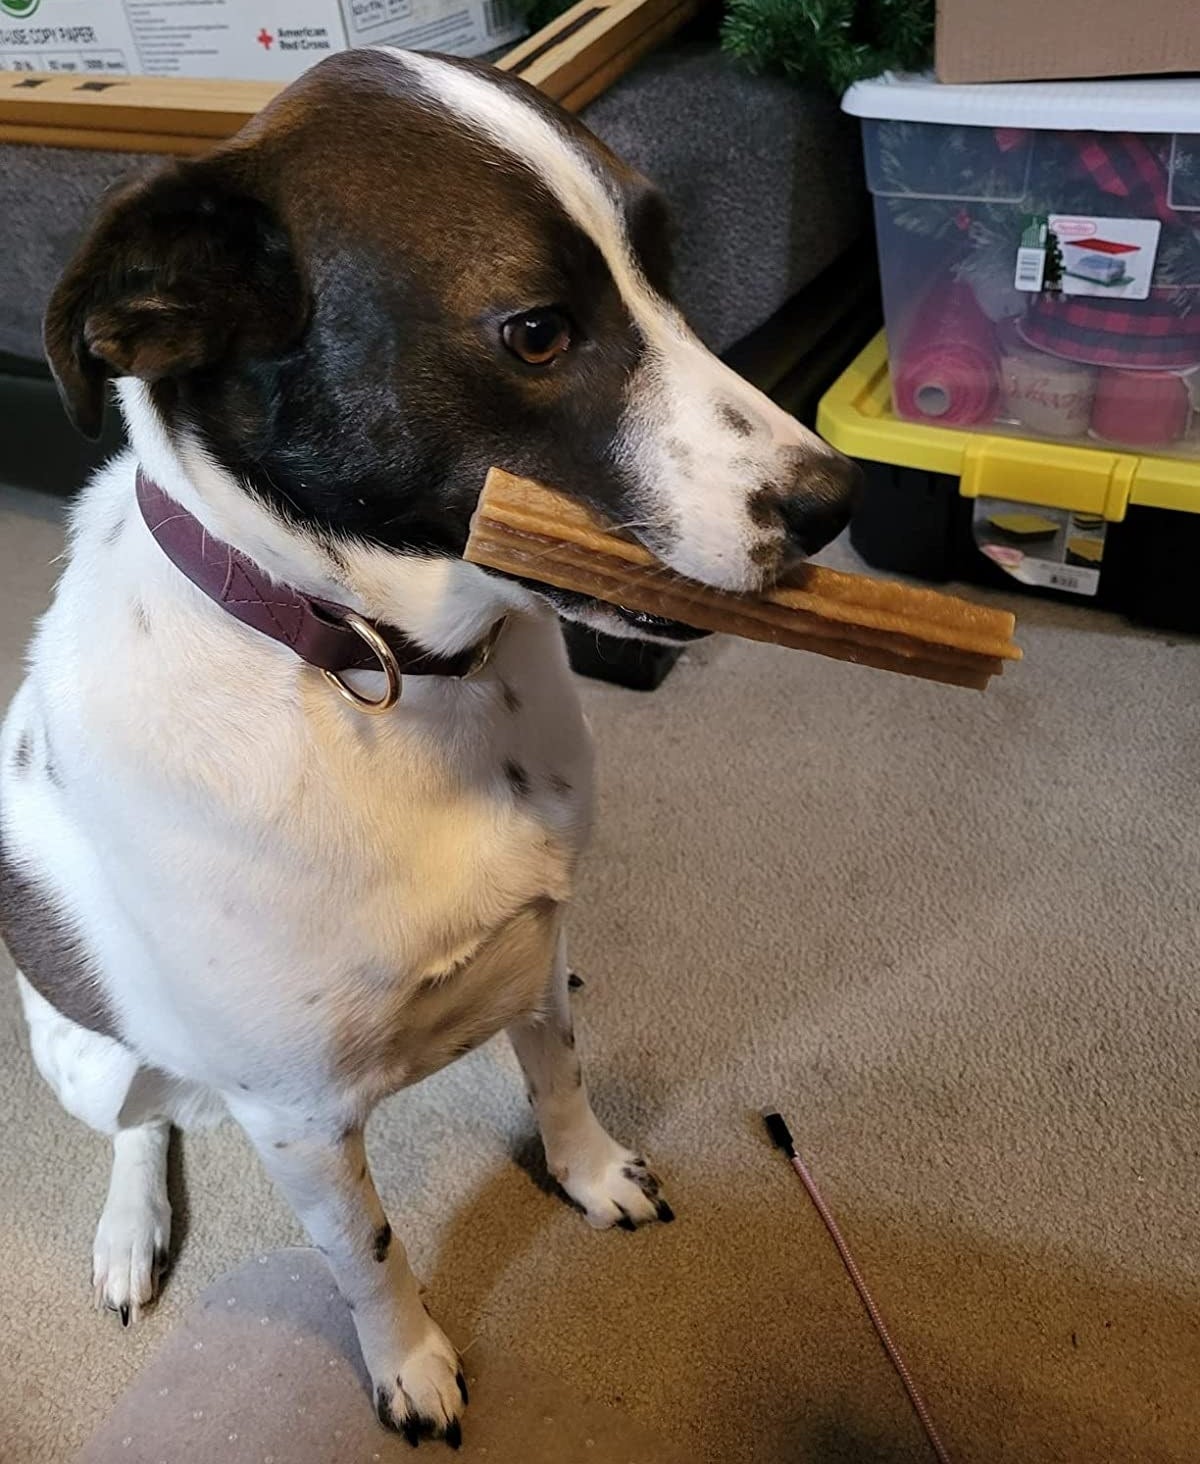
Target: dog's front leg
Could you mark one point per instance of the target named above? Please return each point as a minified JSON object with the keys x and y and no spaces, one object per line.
{"x":416,"y":1372}
{"x":610,"y":1184}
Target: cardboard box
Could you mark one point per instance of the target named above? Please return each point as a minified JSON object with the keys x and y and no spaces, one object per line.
{"x":251,"y":40}
{"x":1030,"y":40}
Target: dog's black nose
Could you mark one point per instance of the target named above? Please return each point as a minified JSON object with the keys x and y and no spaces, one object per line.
{"x":819,"y":507}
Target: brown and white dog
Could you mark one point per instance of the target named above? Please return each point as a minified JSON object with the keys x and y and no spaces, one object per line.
{"x":227,"y":889}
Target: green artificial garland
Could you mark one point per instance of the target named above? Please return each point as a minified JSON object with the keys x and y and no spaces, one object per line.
{"x":834,"y":42}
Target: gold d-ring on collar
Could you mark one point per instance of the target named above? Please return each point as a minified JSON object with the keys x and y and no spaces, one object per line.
{"x":387,"y":664}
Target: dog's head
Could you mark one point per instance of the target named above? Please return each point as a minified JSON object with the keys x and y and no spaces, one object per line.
{"x":408,"y":269}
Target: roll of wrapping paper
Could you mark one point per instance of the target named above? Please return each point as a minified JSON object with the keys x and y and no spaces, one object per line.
{"x":948,"y":370}
{"x":1141,"y":408}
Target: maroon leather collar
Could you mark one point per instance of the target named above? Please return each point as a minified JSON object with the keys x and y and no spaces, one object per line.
{"x":320,"y":632}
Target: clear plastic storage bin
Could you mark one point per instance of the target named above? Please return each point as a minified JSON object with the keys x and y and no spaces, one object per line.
{"x":1039,"y":246}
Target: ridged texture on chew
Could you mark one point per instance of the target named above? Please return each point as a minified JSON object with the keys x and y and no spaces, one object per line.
{"x":531,"y":532}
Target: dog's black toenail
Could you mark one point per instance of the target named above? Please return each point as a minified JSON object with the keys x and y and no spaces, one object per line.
{"x":462,"y":1387}
{"x":454,"y":1434}
{"x":411,"y":1429}
{"x":574,"y":980}
{"x":383,"y":1241}
{"x":125,"y":1316}
{"x":664,"y":1212}
{"x":626,"y":1220}
{"x":383,"y":1408}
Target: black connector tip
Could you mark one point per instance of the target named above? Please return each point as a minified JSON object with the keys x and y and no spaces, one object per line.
{"x":781,"y":1135}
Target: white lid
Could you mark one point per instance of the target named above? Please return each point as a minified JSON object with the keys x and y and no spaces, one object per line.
{"x":1158,"y":104}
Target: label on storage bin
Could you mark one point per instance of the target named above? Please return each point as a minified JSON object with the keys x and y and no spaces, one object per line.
{"x":1050,"y":548}
{"x":1074,"y":254}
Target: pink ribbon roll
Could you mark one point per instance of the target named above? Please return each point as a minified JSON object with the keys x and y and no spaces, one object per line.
{"x":948,"y":370}
{"x":1141,"y":408}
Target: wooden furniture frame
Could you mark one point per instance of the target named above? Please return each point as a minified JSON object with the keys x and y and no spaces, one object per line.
{"x":573,"y":59}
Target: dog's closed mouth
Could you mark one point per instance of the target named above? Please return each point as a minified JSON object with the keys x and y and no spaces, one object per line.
{"x":659,"y":625}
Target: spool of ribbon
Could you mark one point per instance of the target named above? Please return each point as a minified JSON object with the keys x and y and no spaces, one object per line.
{"x":1141,"y":408}
{"x":1160,"y":333}
{"x":1048,"y":397}
{"x":948,"y":371}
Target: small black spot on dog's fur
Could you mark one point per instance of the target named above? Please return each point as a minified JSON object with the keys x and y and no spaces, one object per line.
{"x":245,"y":1087}
{"x":512,"y":702}
{"x":23,"y":753}
{"x":281,"y":1143}
{"x":735,"y":420}
{"x":383,"y":1241}
{"x":52,"y":772}
{"x":518,"y":778}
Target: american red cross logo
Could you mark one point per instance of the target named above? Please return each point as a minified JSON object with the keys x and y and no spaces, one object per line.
{"x":265,"y":39}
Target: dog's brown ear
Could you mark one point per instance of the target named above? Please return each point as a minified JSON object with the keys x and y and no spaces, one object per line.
{"x":177,"y":274}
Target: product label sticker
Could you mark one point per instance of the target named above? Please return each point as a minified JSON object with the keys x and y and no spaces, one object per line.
{"x":1031,"y":256}
{"x":1074,"y":254}
{"x":1052,"y":548}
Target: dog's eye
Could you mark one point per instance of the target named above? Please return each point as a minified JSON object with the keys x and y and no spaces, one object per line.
{"x":537,"y":336}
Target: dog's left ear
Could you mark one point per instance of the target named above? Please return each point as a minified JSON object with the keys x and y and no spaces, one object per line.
{"x":178,"y":274}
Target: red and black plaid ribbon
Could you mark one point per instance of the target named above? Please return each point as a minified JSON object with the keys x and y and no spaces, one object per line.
{"x":1126,"y":166}
{"x":1121,"y":164}
{"x":1154,"y":333}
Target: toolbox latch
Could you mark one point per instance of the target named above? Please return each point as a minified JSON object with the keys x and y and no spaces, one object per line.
{"x":1084,"y":480}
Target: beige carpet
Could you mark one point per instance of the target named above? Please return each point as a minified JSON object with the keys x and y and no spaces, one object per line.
{"x":955,"y":937}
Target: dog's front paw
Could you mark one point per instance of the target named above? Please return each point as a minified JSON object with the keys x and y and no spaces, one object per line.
{"x":130,"y":1254}
{"x":426,"y":1396}
{"x":613,"y":1186}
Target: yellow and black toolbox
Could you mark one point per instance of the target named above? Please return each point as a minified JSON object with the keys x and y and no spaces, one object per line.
{"x":1088,"y":524}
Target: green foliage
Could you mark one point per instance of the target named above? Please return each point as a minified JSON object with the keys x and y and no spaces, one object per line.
{"x":832,"y":41}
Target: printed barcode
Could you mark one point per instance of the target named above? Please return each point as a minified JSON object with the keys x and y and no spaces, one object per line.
{"x":1031,"y":264}
{"x":500,"y":15}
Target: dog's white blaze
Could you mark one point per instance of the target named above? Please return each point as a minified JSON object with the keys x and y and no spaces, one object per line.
{"x":677,"y":394}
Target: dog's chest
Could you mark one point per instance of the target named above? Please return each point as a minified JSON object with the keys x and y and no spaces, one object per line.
{"x":308,"y":877}
{"x":453,"y":849}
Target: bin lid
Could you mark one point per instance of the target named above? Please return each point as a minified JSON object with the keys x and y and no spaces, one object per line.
{"x":1145,"y":104}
